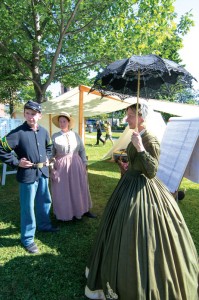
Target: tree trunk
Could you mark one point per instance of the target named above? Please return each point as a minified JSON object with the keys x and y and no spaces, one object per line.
{"x":39,"y":93}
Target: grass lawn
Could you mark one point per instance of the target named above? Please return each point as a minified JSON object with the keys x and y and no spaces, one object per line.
{"x":57,"y":272}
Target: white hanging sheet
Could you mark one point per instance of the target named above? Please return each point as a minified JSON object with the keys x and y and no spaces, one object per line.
{"x":179,"y":152}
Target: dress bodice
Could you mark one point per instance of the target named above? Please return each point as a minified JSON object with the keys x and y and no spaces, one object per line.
{"x":68,"y":143}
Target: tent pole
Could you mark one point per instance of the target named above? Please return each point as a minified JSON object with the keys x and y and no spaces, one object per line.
{"x":80,"y":112}
{"x":50,"y":124}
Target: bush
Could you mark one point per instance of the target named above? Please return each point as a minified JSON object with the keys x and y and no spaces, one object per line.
{"x":119,"y":128}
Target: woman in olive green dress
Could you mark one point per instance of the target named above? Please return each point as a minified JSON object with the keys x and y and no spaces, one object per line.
{"x":143,"y":249}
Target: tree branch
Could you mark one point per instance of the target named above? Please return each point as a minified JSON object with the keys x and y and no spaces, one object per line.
{"x":62,"y":34}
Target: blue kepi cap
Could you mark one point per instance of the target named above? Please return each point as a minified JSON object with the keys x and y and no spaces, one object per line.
{"x":33,"y":105}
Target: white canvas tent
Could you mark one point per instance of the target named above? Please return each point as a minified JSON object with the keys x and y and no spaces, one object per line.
{"x":155,"y":125}
{"x":92,"y":103}
{"x":80,"y":103}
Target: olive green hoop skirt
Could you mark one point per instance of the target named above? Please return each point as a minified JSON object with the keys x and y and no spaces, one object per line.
{"x":143,"y":249}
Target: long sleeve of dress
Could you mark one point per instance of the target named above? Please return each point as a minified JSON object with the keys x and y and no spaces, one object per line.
{"x":149,"y":164}
{"x":146,"y":161}
{"x":82,"y":152}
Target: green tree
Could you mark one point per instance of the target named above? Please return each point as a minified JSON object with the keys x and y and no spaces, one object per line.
{"x":189,"y":96}
{"x":9,"y":83}
{"x":8,"y":95}
{"x":65,"y":40}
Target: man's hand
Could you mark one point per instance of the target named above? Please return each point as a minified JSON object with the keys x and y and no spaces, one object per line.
{"x":24,"y":163}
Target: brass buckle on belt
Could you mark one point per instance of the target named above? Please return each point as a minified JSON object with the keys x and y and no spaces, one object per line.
{"x":38,"y":165}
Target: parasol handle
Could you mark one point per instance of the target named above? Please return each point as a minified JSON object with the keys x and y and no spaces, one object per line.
{"x":137,"y":107}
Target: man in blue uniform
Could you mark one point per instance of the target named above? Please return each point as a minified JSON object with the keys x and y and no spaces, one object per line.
{"x":32,"y":146}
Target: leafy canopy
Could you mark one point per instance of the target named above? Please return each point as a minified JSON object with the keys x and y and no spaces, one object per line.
{"x":64,"y":40}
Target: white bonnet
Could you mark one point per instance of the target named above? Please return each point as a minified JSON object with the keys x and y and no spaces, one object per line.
{"x":143,"y":110}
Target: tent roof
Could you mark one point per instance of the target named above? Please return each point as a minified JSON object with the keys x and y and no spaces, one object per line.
{"x":178,"y":109}
{"x":94,"y":104}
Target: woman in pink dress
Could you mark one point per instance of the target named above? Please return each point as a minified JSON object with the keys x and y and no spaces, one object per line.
{"x":69,"y":181}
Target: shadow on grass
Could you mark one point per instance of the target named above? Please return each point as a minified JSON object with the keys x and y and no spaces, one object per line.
{"x":57,"y":272}
{"x":104,"y":165}
{"x":42,"y":277}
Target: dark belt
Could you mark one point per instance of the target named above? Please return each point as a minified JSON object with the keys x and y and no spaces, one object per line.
{"x":39,"y":165}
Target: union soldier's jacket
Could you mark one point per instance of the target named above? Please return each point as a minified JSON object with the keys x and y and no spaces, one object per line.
{"x":35,"y":146}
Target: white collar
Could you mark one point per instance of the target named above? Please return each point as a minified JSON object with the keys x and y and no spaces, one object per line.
{"x":64,"y":133}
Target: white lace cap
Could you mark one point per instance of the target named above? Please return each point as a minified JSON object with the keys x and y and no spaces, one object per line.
{"x":144,"y":110}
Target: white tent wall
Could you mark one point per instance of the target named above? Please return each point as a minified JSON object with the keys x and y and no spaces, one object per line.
{"x":192,"y":169}
{"x":155,"y":125}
